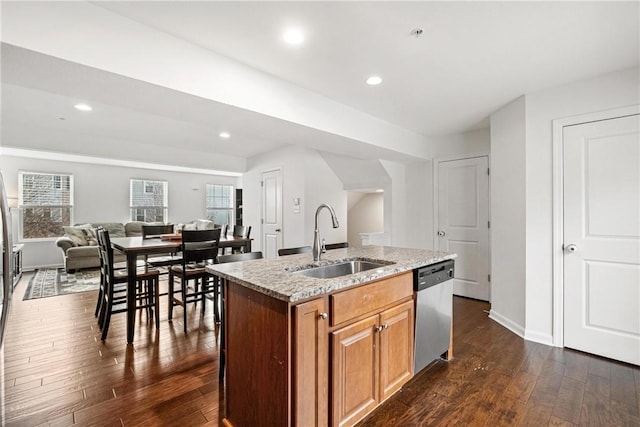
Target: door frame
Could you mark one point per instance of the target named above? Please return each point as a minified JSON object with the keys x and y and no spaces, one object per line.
{"x":558,"y":210}
{"x":262,"y":202}
{"x":436,"y":204}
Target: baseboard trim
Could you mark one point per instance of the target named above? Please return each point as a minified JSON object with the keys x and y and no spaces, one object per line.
{"x":34,"y":268}
{"x":507,"y":323}
{"x":546,"y":339}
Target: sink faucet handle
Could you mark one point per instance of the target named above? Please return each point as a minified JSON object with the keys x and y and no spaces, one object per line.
{"x":323,"y":249}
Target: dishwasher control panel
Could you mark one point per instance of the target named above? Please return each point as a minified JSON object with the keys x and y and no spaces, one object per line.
{"x":433,"y":274}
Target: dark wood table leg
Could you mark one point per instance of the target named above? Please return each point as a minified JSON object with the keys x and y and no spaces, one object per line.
{"x":131,"y":296}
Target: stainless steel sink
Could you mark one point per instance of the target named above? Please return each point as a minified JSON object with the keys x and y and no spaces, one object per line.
{"x":341,"y":269}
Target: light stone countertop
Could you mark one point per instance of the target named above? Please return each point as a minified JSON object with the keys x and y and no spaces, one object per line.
{"x":276,"y":277}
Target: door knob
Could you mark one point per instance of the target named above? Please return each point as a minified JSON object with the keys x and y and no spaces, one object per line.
{"x":277,"y":230}
{"x":441,"y":233}
{"x":571,"y":248}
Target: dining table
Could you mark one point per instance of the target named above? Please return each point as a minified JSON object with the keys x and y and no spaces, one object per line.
{"x":133,"y":247}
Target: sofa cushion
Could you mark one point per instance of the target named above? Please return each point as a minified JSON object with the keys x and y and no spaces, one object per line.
{"x":81,"y":235}
{"x":83,"y":251}
{"x":134,"y":228}
{"x":115,"y":229}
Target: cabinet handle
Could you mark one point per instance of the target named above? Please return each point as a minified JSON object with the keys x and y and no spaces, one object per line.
{"x":385,"y":326}
{"x":379,"y":328}
{"x":323,"y":316}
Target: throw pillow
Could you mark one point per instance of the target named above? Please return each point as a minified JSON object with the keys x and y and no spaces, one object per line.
{"x":79,"y":233}
{"x":204,"y":224}
{"x":90,"y":237}
{"x":190,"y":226}
{"x":115,"y":229}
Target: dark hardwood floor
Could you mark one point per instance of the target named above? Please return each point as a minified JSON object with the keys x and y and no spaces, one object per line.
{"x":57,"y":372}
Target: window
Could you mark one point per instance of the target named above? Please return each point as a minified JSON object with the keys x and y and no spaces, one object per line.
{"x":46,"y":204}
{"x":220,"y":204}
{"x":149,"y":201}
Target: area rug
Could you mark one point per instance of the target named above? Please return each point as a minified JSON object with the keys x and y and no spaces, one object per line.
{"x":49,"y":282}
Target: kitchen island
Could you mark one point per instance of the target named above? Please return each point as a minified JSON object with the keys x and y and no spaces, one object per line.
{"x":309,"y":351}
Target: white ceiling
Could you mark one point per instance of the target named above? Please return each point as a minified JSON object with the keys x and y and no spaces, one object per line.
{"x":472,"y":58}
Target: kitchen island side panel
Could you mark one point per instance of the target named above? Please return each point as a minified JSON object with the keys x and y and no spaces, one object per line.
{"x":258,"y":363}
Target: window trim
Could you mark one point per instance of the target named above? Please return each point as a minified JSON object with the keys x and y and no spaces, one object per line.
{"x":57,"y":185}
{"x":231,"y":208}
{"x":145,"y":183}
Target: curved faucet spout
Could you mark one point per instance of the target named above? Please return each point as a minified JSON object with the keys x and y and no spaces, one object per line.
{"x":317,"y":249}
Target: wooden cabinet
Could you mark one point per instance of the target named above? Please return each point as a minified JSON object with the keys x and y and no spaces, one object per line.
{"x":310,"y":364}
{"x":325,"y":361}
{"x":372,"y":357}
{"x":354,"y":373}
{"x":396,"y":348}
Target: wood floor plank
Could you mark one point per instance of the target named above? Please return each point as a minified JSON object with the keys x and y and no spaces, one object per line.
{"x":569,"y":400}
{"x":595,"y":409}
{"x":623,"y":387}
{"x":508,"y":412}
{"x":521,"y":386}
{"x":536,"y":415}
{"x":59,"y":373}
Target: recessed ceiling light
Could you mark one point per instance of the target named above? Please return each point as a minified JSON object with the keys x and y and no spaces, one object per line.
{"x":374,"y":80}
{"x":224,"y":135}
{"x":293,"y":36}
{"x":83,"y":107}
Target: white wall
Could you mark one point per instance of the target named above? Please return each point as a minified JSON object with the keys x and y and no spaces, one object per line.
{"x":304,"y":175}
{"x":603,"y":93}
{"x":395,"y":203}
{"x":101,"y":194}
{"x":522,"y":199}
{"x":366,"y":216}
{"x":508,"y":219}
{"x":462,"y":144}
{"x":419,"y":205}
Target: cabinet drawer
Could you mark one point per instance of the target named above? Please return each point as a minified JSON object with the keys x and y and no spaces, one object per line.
{"x":368,"y":298}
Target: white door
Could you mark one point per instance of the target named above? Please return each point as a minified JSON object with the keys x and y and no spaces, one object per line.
{"x":271,"y":213}
{"x":601,"y":163}
{"x":463,"y":223}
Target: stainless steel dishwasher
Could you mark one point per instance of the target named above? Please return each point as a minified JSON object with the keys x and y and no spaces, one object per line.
{"x":434,"y":308}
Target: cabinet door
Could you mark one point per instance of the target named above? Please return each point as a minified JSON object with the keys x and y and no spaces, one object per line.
{"x":310,"y":402}
{"x":396,"y":348}
{"x":354,"y":371}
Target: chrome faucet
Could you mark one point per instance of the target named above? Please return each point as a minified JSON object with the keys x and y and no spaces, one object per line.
{"x":317,"y":248}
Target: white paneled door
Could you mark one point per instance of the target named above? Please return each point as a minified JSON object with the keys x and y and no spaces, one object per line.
{"x":463,"y":223}
{"x":271,"y":213}
{"x":601,"y":164}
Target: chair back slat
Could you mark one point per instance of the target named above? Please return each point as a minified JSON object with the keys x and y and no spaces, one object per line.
{"x":200,"y":245}
{"x":241,"y":231}
{"x":155,"y":230}
{"x":247,"y":256}
{"x":340,"y":245}
{"x":292,"y":251}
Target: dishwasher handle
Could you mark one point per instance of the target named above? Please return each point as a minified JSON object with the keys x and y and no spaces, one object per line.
{"x":433,"y":274}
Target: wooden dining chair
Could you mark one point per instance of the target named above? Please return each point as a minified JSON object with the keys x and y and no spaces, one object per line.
{"x":151,"y":231}
{"x":246,"y":256}
{"x":242,"y":231}
{"x":199,"y":247}
{"x":293,"y":251}
{"x":154,"y":231}
{"x":114,"y":295}
{"x":329,"y":246}
{"x":103,"y":272}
